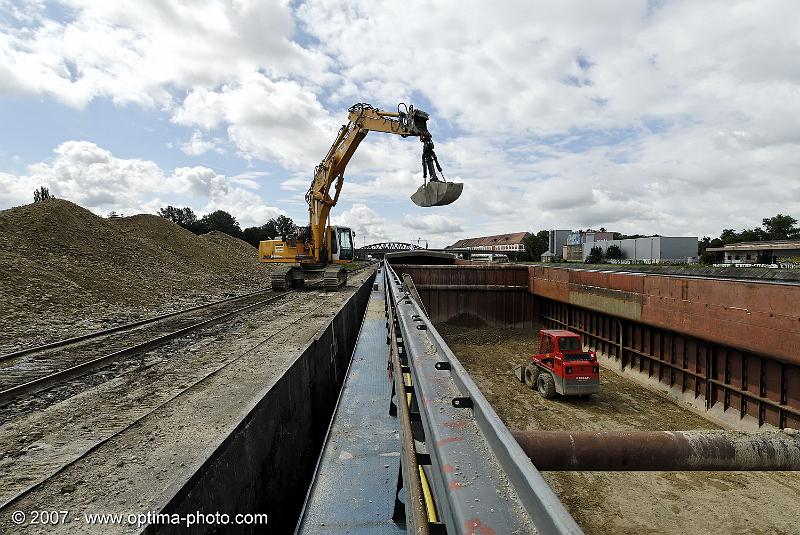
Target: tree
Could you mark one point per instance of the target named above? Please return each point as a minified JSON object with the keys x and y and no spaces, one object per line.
{"x":709,"y":257}
{"x":781,"y":227}
{"x":221,"y":221}
{"x":270,"y":229}
{"x":595,"y":255}
{"x":614,"y":253}
{"x":42,"y":194}
{"x":536,"y":245}
{"x":284,"y":226}
{"x":255,"y":235}
{"x":184,"y":217}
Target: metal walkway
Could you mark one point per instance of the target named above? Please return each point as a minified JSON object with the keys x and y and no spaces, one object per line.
{"x":353,"y":491}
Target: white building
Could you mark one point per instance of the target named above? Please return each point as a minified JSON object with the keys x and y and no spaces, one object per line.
{"x":651,"y":250}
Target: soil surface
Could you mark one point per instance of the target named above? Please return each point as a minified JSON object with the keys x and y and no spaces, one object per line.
{"x":626,"y":502}
{"x":149,"y":426}
{"x":65,"y":271}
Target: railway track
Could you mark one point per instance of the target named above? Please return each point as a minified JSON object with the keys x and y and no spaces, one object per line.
{"x":38,"y":369}
{"x":281,"y":326}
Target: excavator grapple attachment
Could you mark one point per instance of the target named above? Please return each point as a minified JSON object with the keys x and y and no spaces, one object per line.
{"x":437,"y":193}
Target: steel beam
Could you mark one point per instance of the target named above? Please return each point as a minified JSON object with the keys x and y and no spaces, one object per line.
{"x":482,"y":481}
{"x":660,"y":450}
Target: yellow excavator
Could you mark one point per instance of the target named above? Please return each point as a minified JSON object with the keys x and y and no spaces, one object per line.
{"x":319,"y":250}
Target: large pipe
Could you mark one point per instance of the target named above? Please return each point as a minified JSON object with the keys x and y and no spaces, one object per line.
{"x":660,"y":450}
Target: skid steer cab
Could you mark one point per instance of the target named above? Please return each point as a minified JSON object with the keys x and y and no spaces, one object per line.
{"x":561,"y":366}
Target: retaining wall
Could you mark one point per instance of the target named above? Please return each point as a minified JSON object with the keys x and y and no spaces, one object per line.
{"x":266,"y":462}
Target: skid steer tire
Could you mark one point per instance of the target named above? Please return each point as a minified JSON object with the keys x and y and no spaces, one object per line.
{"x":546,"y":385}
{"x":531,"y":374}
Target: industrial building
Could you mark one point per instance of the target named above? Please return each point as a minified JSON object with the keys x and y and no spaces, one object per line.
{"x":760,"y":252}
{"x":650,"y":250}
{"x":511,"y":244}
{"x":572,"y":251}
{"x":556,"y":239}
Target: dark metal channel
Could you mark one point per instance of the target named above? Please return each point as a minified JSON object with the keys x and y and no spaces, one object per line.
{"x":474,"y":296}
{"x":660,"y":450}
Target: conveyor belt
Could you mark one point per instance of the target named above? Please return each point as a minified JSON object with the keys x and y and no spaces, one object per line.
{"x":353,"y":490}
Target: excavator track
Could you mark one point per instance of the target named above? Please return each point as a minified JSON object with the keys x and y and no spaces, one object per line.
{"x":334,"y":278}
{"x":280,"y":278}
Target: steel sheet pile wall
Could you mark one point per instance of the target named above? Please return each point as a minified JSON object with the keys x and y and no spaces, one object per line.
{"x":475,"y":295}
{"x":265,"y":463}
{"x":731,"y":346}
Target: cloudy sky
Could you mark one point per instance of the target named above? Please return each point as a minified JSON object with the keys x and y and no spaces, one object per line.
{"x":669,"y":117}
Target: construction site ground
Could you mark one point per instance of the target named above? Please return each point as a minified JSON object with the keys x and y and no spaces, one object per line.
{"x":757,"y":503}
{"x":150,"y":426}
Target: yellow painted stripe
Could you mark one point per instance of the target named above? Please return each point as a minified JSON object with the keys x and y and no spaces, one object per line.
{"x":426,"y":494}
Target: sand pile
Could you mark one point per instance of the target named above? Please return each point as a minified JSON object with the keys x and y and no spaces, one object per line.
{"x":59,"y":261}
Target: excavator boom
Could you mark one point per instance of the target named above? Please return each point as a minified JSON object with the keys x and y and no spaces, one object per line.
{"x":326,"y":245}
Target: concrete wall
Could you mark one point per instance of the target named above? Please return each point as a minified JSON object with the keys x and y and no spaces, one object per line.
{"x":265,"y":463}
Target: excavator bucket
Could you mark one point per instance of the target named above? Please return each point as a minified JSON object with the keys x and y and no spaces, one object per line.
{"x":437,"y":193}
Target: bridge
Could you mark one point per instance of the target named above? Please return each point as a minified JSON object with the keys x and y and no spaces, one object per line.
{"x":378,"y":250}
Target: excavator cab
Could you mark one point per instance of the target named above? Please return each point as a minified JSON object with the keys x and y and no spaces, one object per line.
{"x":341,"y":244}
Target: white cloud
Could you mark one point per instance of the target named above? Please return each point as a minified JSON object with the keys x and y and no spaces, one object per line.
{"x":671,"y":117}
{"x":93,"y":177}
{"x":138,"y":51}
{"x":276,"y":121}
{"x":197,"y":146}
{"x":432,"y":224}
{"x":367,"y":224}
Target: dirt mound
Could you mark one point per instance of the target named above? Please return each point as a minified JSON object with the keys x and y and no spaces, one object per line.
{"x":60,"y":262}
{"x":231,"y":244}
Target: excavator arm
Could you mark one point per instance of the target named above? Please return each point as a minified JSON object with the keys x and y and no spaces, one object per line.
{"x":318,"y":255}
{"x":329,"y":174}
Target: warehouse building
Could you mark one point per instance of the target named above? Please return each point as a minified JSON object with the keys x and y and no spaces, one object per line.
{"x":651,"y":250}
{"x":512,"y":244}
{"x":760,"y":252}
{"x":556,"y":239}
{"x":572,"y":251}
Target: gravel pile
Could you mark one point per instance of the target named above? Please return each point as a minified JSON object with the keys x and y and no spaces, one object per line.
{"x":64,"y":270}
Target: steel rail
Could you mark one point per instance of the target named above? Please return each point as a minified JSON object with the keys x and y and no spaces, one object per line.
{"x":482,"y":480}
{"x":48,"y":381}
{"x":136,"y":421}
{"x":44,"y":383}
{"x":416,"y":514}
{"x":119,"y":328}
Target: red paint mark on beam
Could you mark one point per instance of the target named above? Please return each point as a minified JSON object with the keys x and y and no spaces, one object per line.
{"x":456,"y":424}
{"x":442,"y":442}
{"x":474,"y":526}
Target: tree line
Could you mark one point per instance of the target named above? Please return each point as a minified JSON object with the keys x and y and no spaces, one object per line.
{"x":779,"y":227}
{"x":222,"y":221}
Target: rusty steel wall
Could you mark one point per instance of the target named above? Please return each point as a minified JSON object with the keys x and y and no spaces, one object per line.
{"x":731,"y":346}
{"x":474,"y":295}
{"x":755,"y":317}
{"x":723,"y":379}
